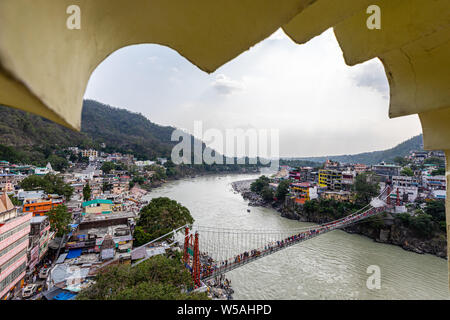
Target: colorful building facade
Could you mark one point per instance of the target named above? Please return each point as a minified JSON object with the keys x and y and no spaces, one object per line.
{"x":331,"y":179}
{"x":97,"y":206}
{"x":40,"y":207}
{"x":14,"y":231}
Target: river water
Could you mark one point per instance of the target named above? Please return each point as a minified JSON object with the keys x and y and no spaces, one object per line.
{"x":331,"y":266}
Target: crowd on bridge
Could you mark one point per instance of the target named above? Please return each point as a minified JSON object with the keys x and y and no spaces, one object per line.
{"x":210,"y":267}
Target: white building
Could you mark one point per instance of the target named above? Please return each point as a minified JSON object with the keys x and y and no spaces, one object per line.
{"x":405,"y":181}
{"x":434,"y":182}
{"x":144,"y":163}
{"x":348,"y":177}
{"x":44,"y":170}
{"x":412,"y":192}
{"x":439,"y":194}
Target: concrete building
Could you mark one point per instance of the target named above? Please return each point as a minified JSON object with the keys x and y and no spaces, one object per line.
{"x":331,"y":179}
{"x":348,"y":177}
{"x":143,"y":163}
{"x":360,"y":168}
{"x":14,"y":231}
{"x":40,"y":207}
{"x":89,"y":153}
{"x":97,"y":206}
{"x":434,"y":182}
{"x":302,"y":192}
{"x":404,"y":181}
{"x":386,"y":170}
{"x":40,"y":237}
{"x":343,"y":196}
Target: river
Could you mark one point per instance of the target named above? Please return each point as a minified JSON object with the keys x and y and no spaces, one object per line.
{"x":331,"y":266}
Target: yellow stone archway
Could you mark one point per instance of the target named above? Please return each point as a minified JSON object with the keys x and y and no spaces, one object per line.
{"x":45,"y":67}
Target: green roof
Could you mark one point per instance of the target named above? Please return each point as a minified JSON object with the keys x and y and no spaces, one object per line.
{"x":95,"y":201}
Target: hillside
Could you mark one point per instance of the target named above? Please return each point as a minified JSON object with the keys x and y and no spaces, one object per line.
{"x":27,"y":138}
{"x":370,"y":158}
{"x":125,"y":132}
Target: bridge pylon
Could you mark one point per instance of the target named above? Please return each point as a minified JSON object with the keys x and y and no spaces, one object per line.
{"x":388,"y":195}
{"x":186,"y":246}
{"x":196,"y":262}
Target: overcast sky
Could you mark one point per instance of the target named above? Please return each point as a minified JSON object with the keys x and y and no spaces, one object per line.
{"x":320,"y":105}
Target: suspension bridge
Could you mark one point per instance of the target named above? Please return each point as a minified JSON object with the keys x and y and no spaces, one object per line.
{"x":209,"y":252}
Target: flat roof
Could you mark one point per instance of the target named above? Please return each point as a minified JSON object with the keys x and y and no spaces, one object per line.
{"x":38,"y":219}
{"x":95,"y":201}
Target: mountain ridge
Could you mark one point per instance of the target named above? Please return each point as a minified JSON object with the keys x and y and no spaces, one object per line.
{"x":369,"y":158}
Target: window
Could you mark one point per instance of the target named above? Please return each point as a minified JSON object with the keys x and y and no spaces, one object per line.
{"x":17,"y":257}
{"x":13,"y":245}
{"x":12,"y":276}
{"x":18,"y":228}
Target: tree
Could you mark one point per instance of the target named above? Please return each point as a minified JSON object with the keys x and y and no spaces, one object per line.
{"x":407,"y":171}
{"x":107,"y":166}
{"x":267,"y":193}
{"x":159,"y":217}
{"x":364,"y":189}
{"x":282,"y":190}
{"x":436,"y":209}
{"x":50,"y":183}
{"x":106,"y":186}
{"x":259,"y":184}
{"x":434,"y":160}
{"x":67,"y":191}
{"x":87,"y":192}
{"x":422,"y":224}
{"x":59,"y":219}
{"x":33,"y":182}
{"x":160,"y":172}
{"x":401,"y":161}
{"x":158,"y":278}
{"x":82,"y":159}
{"x":58,"y":163}
{"x":438,"y":172}
{"x":14,"y":200}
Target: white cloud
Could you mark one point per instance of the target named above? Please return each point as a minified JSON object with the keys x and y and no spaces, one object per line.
{"x":225,"y":85}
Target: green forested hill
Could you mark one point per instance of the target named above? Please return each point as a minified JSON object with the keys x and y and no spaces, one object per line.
{"x":370,"y":158}
{"x":124,"y":131}
{"x":27,"y":138}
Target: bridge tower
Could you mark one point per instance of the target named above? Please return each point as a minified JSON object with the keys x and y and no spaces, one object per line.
{"x":196,"y":262}
{"x":388,"y":195}
{"x":186,"y":246}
